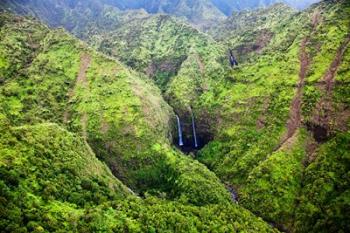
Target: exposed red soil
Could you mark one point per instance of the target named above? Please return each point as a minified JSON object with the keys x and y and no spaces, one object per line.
{"x":295,"y":113}
{"x":261,"y":121}
{"x":330,"y":75}
{"x":200,"y":64}
{"x":311,"y":147}
{"x":85,"y":61}
{"x":166,"y":65}
{"x":66,"y":116}
{"x":325,"y":116}
{"x":263,"y":40}
{"x":325,"y":112}
{"x":81,"y":80}
{"x":295,"y":116}
{"x":104,"y":126}
{"x":316,"y":18}
{"x":294,"y":120}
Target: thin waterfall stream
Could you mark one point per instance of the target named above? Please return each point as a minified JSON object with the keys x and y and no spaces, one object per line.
{"x":179,"y":129}
{"x":194,"y":132}
{"x":187,"y":136}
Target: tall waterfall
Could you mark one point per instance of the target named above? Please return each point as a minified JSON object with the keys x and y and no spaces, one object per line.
{"x":194,"y":132}
{"x":181,"y":143}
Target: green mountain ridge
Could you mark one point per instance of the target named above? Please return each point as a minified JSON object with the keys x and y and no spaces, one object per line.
{"x":78,"y":193}
{"x":172,"y":53}
{"x":76,"y":14}
{"x":248,"y":32}
{"x":274,"y":130}
{"x":265,"y":145}
{"x":125,"y":129}
{"x":228,"y":6}
{"x":202,"y":14}
{"x":46,"y":81}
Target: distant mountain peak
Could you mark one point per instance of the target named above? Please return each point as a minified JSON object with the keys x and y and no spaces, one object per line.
{"x":201,"y":13}
{"x":228,"y":6}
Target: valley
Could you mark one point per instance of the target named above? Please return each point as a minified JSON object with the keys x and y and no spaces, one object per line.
{"x":127,"y":116}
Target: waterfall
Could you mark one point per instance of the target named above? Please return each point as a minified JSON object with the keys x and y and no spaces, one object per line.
{"x":181,"y":143}
{"x":194,"y":132}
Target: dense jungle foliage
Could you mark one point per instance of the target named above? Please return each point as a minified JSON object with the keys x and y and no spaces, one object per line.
{"x":89,"y":134}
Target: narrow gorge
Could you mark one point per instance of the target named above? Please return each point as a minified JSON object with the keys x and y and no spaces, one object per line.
{"x":174,"y":116}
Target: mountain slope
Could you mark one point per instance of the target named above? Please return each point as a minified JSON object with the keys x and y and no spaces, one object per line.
{"x":179,"y":49}
{"x":228,"y":6}
{"x":75,"y":14}
{"x":277,"y":126}
{"x":198,"y":12}
{"x":277,"y":114}
{"x":183,"y":61}
{"x":51,"y":180}
{"x":249,"y":32}
{"x":50,"y":76}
